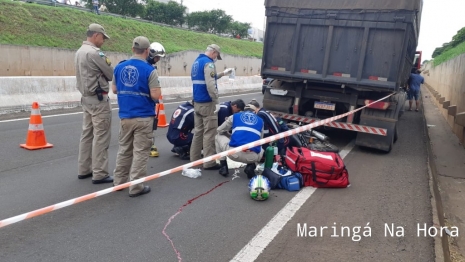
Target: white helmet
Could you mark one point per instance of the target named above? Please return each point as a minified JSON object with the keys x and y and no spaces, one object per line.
{"x":259,"y":188}
{"x":156,"y":49}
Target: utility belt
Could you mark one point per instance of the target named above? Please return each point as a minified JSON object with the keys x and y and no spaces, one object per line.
{"x":93,"y":99}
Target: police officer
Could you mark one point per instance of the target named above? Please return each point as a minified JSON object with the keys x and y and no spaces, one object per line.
{"x":180,"y":129}
{"x":246,"y":127}
{"x":93,"y":72}
{"x":229,"y":108}
{"x":136,"y":83}
{"x":205,"y":93}
{"x":273,"y":126}
{"x":157,"y":51}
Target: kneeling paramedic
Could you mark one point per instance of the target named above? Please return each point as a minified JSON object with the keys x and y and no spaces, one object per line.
{"x":180,"y":130}
{"x":228,"y":109}
{"x":246,"y":127}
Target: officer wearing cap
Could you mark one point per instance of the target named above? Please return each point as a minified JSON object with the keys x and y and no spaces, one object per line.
{"x":246,"y":127}
{"x":93,"y":72}
{"x":136,"y":84}
{"x":206,"y":106}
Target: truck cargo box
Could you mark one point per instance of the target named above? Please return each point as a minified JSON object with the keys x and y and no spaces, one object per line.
{"x":366,"y":45}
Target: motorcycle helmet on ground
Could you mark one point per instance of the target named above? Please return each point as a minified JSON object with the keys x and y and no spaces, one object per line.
{"x":156,"y":50}
{"x":259,"y":188}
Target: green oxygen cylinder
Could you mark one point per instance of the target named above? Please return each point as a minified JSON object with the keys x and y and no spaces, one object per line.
{"x":269,"y":156}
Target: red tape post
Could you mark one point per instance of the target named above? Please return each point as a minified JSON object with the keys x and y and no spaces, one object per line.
{"x":80,"y":199}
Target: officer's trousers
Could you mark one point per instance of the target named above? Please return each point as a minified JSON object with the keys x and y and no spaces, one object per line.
{"x":135,"y":140}
{"x":206,"y":123}
{"x":95,"y":137}
{"x":249,"y":157}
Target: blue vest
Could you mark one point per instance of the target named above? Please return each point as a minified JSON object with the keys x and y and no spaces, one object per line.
{"x":247,"y":127}
{"x":182,"y":121}
{"x":225,"y":111}
{"x":132,"y":84}
{"x":200,"y":92}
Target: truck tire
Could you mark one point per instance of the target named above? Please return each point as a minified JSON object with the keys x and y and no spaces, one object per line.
{"x":380,"y":119}
{"x":277,"y":103}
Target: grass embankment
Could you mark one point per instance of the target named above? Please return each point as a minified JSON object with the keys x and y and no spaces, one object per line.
{"x":449,"y":54}
{"x":61,"y":27}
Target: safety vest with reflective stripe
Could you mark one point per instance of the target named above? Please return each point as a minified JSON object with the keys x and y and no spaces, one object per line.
{"x":182,"y":121}
{"x":247,"y":127}
{"x":200,"y":91}
{"x":224,"y":112}
{"x":132,"y":84}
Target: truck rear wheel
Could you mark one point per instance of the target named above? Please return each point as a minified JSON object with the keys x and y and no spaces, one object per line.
{"x":380,"y":119}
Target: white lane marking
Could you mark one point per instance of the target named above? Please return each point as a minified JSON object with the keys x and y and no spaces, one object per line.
{"x":260,"y":241}
{"x":76,"y":113}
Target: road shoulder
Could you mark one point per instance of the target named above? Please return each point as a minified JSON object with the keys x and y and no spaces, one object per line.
{"x":447,"y":165}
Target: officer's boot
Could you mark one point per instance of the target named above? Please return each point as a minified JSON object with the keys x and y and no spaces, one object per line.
{"x":154,"y":151}
{"x":224,"y":171}
{"x":250,"y":170}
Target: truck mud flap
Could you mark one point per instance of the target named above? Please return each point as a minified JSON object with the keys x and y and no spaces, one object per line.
{"x":277,"y":103}
{"x":383,"y":143}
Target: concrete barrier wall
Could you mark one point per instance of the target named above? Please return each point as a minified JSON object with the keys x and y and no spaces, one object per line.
{"x":18,"y":93}
{"x":42,"y":61}
{"x":447,"y":84}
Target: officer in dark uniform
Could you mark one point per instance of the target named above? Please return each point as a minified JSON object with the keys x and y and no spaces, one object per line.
{"x":180,"y":129}
{"x":228,"y":109}
{"x":273,"y":126}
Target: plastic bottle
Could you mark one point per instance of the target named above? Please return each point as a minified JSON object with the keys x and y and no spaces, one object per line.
{"x":269,"y":156}
{"x":232,"y":76}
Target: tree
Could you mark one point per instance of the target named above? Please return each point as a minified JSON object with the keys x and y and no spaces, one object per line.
{"x":130,"y":8}
{"x":458,"y":38}
{"x":171,"y":13}
{"x":440,"y":50}
{"x":213,"y":21}
{"x":238,"y":28}
{"x":220,"y":21}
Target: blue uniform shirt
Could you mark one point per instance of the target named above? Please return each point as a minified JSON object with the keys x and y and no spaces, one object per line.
{"x":182,"y":121}
{"x":132,"y":84}
{"x":415,"y":82}
{"x":224,"y":112}
{"x":247,"y":127}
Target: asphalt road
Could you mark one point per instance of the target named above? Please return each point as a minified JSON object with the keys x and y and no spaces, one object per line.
{"x":218,"y":226}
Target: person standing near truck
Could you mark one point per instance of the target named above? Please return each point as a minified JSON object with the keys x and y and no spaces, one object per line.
{"x":93,"y":72}
{"x":414,"y":84}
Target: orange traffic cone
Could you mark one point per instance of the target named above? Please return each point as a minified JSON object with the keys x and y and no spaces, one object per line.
{"x":161,"y":113}
{"x":35,"y":138}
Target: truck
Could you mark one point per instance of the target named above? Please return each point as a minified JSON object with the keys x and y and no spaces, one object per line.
{"x":330,"y":57}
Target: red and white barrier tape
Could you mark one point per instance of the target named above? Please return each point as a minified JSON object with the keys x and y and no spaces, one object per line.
{"x":77,"y":200}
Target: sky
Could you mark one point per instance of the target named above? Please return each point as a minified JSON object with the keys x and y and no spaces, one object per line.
{"x":441,"y":19}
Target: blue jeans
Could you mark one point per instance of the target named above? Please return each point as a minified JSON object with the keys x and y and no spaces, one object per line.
{"x":96,"y":9}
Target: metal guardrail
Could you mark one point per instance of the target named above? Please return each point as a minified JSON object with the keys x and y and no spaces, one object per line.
{"x":85,"y":9}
